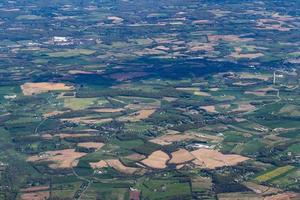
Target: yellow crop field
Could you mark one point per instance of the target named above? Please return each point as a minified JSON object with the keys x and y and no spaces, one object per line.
{"x":274,"y":173}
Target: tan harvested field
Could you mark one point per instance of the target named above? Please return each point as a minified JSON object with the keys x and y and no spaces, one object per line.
{"x":214,"y":89}
{"x":274,"y":139}
{"x":245,"y":75}
{"x":204,"y":137}
{"x":163,"y":48}
{"x":209,"y":109}
{"x":203,"y":94}
{"x":238,"y":54}
{"x":164,"y":40}
{"x":148,"y":51}
{"x":265,"y":26}
{"x":109,"y":110}
{"x":59,"y":159}
{"x":170,"y":138}
{"x":144,"y":106}
{"x":243,"y":83}
{"x":73,"y":72}
{"x":170,"y":132}
{"x":35,"y":188}
{"x":244,"y":107}
{"x":284,"y":196}
{"x":188,"y":89}
{"x":144,"y":114}
{"x":70,"y":135}
{"x":98,"y":165}
{"x":37,"y":88}
{"x":261,"y":189}
{"x":181,"y":156}
{"x":268,"y":89}
{"x":169,"y":99}
{"x":90,"y":130}
{"x":47,"y":136}
{"x":180,"y":166}
{"x":62,"y":95}
{"x":290,"y":110}
{"x":238,"y":119}
{"x":202,"y":182}
{"x":53,"y":113}
{"x":211,"y":159}
{"x":87,"y":120}
{"x":228,"y":38}
{"x":198,"y":46}
{"x":138,"y":115}
{"x":202,"y":21}
{"x":156,"y":160}
{"x":262,"y":91}
{"x":128,"y":76}
{"x":136,"y":157}
{"x":239,"y":196}
{"x":40,"y":195}
{"x":224,"y":106}
{"x":117,"y":165}
{"x":256,"y":93}
{"x":92,"y":145}
{"x":115,"y":19}
{"x":280,"y":17}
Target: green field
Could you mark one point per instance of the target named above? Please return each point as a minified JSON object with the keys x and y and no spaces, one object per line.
{"x":71,"y":53}
{"x":166,"y":189}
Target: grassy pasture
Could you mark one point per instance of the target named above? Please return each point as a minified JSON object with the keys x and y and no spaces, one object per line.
{"x":283,"y":123}
{"x":291,"y":134}
{"x":252,"y":147}
{"x":128,"y":144}
{"x":288,"y":180}
{"x":65,"y":190}
{"x":164,"y":189}
{"x":82,"y":103}
{"x":107,"y":191}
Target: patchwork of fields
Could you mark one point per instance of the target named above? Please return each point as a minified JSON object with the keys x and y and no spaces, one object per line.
{"x":151,"y":100}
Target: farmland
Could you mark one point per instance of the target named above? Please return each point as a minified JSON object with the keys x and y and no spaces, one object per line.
{"x":274,"y":173}
{"x":149,"y":100}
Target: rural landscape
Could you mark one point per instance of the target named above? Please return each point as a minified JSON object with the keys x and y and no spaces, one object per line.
{"x":149,"y":100}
